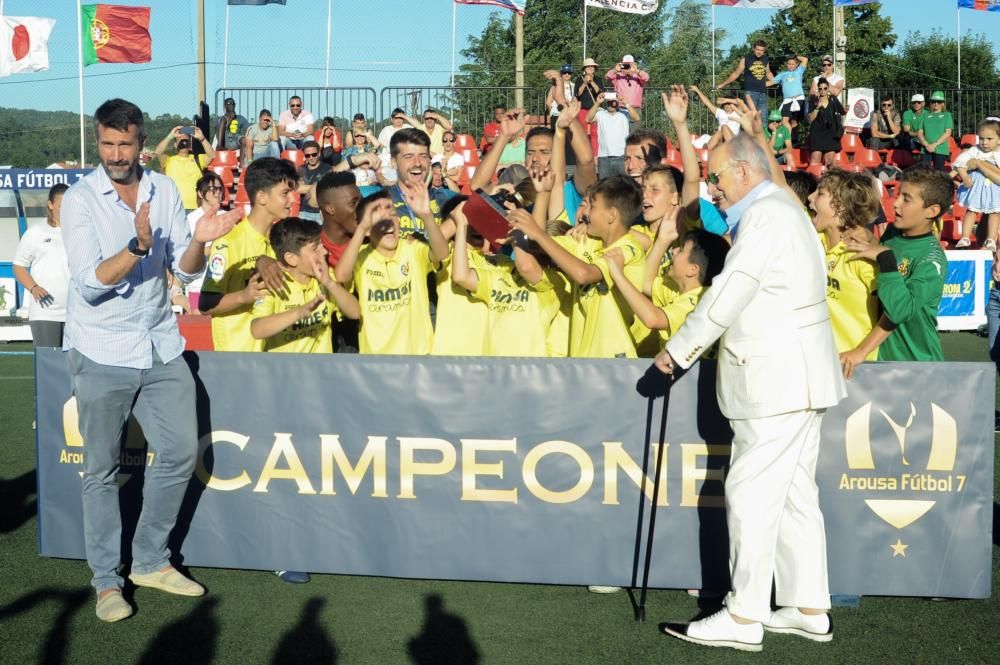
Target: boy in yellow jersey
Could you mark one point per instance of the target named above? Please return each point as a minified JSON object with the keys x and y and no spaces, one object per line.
{"x":460,"y":322}
{"x":521,"y":297}
{"x":698,"y":258}
{"x":601,"y":324}
{"x":302,"y":320}
{"x":390,"y":274}
{"x":843,"y":202}
{"x":232,"y":283}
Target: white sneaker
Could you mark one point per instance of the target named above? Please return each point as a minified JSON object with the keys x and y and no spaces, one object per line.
{"x":719,"y":630}
{"x":790,"y":621}
{"x":963,"y":243}
{"x":990,"y":245}
{"x":603,"y":589}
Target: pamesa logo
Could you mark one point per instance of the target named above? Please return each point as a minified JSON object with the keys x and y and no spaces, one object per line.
{"x":902,"y":474}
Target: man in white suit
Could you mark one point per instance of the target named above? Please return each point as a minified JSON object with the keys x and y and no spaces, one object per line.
{"x":778,"y":372}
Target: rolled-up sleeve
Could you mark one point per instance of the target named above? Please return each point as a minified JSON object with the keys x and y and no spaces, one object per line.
{"x":83,"y":250}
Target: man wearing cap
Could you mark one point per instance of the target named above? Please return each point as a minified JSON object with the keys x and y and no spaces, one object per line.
{"x":779,"y":138}
{"x":835,"y":80}
{"x":231,"y":127}
{"x":756,"y":72}
{"x":629,"y":81}
{"x":587,"y":90}
{"x":935,"y":131}
{"x":913,"y":120}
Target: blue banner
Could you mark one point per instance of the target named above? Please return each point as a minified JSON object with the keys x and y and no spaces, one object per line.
{"x":959,"y":295}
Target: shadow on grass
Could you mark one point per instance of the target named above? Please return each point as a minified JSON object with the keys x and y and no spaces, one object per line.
{"x":56,"y":643}
{"x":307,"y":641}
{"x":445,"y":638}
{"x":18,"y":502}
{"x":190,"y":640}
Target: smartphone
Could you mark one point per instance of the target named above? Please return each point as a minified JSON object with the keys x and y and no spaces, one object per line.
{"x":187,"y":130}
{"x":611,"y":96}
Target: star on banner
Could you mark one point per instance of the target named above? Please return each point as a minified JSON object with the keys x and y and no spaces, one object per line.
{"x":899,"y":548}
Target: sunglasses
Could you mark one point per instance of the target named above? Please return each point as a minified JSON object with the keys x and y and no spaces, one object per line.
{"x":447,"y":140}
{"x":887,"y":106}
{"x":213,"y":188}
{"x":713,"y":178}
{"x":295,"y":106}
{"x":310,"y":155}
{"x":429,"y":118}
{"x":937,"y":101}
{"x":827,"y":63}
{"x":822,"y":88}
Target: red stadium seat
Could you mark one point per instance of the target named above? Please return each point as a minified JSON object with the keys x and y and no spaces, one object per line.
{"x":464,"y":142}
{"x":842,"y":159}
{"x":968,"y":140}
{"x":296,"y":205}
{"x":851,"y":143}
{"x":226,"y":158}
{"x":816,"y":169}
{"x":471,"y":156}
{"x":295,"y":157}
{"x":224,"y":172}
{"x":465,"y":176}
{"x":868,"y":158}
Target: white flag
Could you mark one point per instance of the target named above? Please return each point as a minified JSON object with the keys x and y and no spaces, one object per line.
{"x":24,"y":44}
{"x":755,"y":4}
{"x":627,"y":6}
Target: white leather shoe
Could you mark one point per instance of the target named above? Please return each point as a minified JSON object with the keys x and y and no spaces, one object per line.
{"x":790,"y":621}
{"x":719,"y":630}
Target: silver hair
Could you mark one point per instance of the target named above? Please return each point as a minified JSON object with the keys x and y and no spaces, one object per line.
{"x":743,"y":148}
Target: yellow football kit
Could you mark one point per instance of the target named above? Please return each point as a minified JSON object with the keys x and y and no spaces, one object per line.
{"x":520,"y":314}
{"x":311,"y":335}
{"x":850,"y":294}
{"x":460,"y":321}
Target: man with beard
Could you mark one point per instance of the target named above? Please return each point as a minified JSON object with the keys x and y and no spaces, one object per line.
{"x":410,"y":151}
{"x":124,"y":229}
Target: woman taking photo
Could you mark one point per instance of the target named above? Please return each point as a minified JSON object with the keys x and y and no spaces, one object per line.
{"x":41,"y":267}
{"x":826,"y":125}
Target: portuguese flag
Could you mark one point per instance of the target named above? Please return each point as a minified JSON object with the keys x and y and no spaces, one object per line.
{"x":115,"y":33}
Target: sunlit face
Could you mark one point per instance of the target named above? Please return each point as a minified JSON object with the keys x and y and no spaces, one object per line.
{"x":295,"y":106}
{"x":312,"y":157}
{"x":397,"y":121}
{"x":821,"y":203}
{"x":538,"y":152}
{"x":119,"y":151}
{"x":988,"y":140}
{"x":635,"y":161}
{"x":412,"y":162}
{"x":429,"y":122}
{"x":448,"y":141}
{"x":792,"y":64}
{"x":212,"y":195}
{"x":912,"y":214}
{"x":759,"y":51}
{"x":658,"y":196}
{"x":277,"y":200}
{"x":727,"y":182}
{"x":307,"y":256}
{"x":385,"y":232}
{"x":264,"y":121}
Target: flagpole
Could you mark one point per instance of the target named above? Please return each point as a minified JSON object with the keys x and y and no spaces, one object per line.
{"x":79,"y":50}
{"x":454,"y":17}
{"x":225,"y":50}
{"x":958,"y":110}
{"x":713,"y":46}
{"x":329,"y":18}
{"x":584,"y":29}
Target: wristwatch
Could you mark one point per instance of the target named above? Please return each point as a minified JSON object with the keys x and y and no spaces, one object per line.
{"x":133,"y":249}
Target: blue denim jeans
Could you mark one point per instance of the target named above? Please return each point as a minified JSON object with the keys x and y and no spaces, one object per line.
{"x":162,"y":399}
{"x":760,"y":101}
{"x":993,"y":324}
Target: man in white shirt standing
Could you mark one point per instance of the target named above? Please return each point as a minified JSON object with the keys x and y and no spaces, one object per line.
{"x":612,"y":130}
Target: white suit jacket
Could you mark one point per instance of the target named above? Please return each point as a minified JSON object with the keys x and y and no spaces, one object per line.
{"x":768,"y":305}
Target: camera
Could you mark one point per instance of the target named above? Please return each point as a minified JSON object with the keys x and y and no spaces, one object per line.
{"x":626,"y":66}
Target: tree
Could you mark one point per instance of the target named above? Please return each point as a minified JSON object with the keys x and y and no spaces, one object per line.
{"x":686,"y":57}
{"x":932,"y":61}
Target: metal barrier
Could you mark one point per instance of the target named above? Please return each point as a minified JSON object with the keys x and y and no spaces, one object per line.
{"x":339,"y":103}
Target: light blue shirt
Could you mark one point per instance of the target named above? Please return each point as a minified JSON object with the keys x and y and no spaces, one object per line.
{"x":735,"y":211}
{"x":120,"y":324}
{"x":791,"y":82}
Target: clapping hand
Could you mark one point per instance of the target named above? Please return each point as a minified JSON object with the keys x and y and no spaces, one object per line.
{"x":568,"y":114}
{"x":215,"y":224}
{"x":143,"y":229}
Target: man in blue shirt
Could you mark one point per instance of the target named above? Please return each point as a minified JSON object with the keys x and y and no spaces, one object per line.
{"x":792,"y":94}
{"x":124,"y":229}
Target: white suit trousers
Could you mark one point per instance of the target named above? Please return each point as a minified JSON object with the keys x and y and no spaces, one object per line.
{"x":776,"y":529}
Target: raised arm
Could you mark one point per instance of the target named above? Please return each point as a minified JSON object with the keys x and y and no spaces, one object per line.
{"x":461,"y":273}
{"x":651,"y":316}
{"x":344,"y":272}
{"x":676,"y":106}
{"x":443,"y":121}
{"x":712,"y":108}
{"x":162,"y":146}
{"x":576,"y":269}
{"x":511,"y":125}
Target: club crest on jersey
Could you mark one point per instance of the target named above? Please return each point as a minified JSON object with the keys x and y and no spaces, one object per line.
{"x":404,"y":269}
{"x":904,"y":267}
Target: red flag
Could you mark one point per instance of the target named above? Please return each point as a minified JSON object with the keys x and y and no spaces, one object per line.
{"x":115,"y":33}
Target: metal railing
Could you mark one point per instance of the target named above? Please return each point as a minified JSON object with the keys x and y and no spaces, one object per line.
{"x":468,"y":108}
{"x":338,"y":103}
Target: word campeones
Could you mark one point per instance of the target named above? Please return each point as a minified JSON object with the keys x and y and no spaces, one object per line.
{"x":480,"y":461}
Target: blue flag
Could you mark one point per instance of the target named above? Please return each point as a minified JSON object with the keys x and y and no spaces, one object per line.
{"x":983,"y":5}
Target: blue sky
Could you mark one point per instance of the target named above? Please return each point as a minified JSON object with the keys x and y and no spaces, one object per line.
{"x":375,"y":43}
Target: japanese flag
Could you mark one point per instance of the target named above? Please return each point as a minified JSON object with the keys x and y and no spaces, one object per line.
{"x":24,"y":44}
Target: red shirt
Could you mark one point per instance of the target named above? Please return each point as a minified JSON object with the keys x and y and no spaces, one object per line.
{"x":333,"y":251}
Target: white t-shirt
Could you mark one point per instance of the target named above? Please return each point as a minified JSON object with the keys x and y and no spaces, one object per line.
{"x":612,"y":130}
{"x":731,"y":121}
{"x":194,"y":286}
{"x":832,"y":79}
{"x":975,"y":153}
{"x":299,"y":124}
{"x":456,"y":161}
{"x":43,"y":253}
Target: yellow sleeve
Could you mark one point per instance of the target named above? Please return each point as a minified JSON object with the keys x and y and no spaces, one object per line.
{"x":265,"y":306}
{"x":219,"y":270}
{"x":486,"y":275}
{"x":866,"y":273}
{"x":420,"y":252}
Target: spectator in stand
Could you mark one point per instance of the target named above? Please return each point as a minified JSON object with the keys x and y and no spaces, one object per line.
{"x":310,"y":174}
{"x":913,"y":120}
{"x":210,"y":189}
{"x":756,"y":71}
{"x":397,"y":120}
{"x":232,"y":126}
{"x":513,"y":152}
{"x":330,"y":145}
{"x":612,"y":130}
{"x":935,"y":131}
{"x":261,"y":139}
{"x":434,"y":126}
{"x":295,"y":125}
{"x":184,"y":167}
{"x":725,"y":115}
{"x":779,"y":138}
{"x":491,"y":130}
{"x":887,"y":126}
{"x":792,"y":96}
{"x":979,"y":169}
{"x":41,"y":267}
{"x":629,"y":81}
{"x":453,"y":161}
{"x":836,"y":81}
{"x":587,"y":90}
{"x":826,"y":126}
